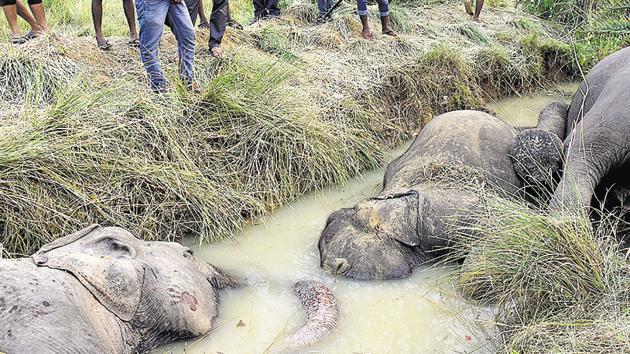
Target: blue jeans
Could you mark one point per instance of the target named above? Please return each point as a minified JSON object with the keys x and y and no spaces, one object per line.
{"x":383,"y":7}
{"x":324,"y":6}
{"x":151,"y":16}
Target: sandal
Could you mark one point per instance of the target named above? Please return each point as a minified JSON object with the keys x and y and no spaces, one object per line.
{"x":367,"y":35}
{"x":18,"y":40}
{"x":204,"y":25}
{"x":31,"y":35}
{"x":234,"y":25}
{"x":390,"y":33}
{"x":134,"y":43}
{"x":105,"y":45}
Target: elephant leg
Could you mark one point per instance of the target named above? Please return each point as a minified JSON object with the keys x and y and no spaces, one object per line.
{"x":591,"y":155}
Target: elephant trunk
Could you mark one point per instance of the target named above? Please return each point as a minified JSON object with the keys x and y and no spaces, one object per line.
{"x":322,"y":312}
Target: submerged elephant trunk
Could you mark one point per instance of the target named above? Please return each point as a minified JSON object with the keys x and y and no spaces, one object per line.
{"x":322,"y":312}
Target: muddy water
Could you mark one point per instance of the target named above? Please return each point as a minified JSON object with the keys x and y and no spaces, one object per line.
{"x":522,"y":111}
{"x":421,"y":314}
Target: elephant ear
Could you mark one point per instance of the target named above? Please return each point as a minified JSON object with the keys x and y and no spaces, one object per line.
{"x":103,"y":259}
{"x":395,"y":216}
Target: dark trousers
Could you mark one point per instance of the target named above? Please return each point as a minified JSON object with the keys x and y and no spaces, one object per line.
{"x":218,"y":19}
{"x":263,"y":8}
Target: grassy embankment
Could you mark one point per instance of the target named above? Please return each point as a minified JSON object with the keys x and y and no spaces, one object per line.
{"x":293,"y":107}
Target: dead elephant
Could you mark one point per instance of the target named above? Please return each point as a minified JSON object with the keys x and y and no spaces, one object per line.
{"x":431,"y":187}
{"x":102,"y":290}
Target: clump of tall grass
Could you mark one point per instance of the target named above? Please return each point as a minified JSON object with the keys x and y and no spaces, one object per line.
{"x":39,"y":76}
{"x":558,"y":283}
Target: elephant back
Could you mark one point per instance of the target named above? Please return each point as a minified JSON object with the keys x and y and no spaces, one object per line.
{"x":455,"y":141}
{"x":614,"y":66}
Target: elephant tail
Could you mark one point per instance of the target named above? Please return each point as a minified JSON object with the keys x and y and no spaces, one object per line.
{"x":322,"y":312}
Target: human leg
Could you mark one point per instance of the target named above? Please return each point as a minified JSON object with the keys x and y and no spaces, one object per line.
{"x":184,"y":32}
{"x":202,"y":16}
{"x":260,"y":10}
{"x":383,"y":8}
{"x":37,"y":8}
{"x":130,"y":14}
{"x":478,"y":8}
{"x":272,"y":8}
{"x":363,"y":15}
{"x":10,"y":12}
{"x":218,"y":22}
{"x":151,"y":20}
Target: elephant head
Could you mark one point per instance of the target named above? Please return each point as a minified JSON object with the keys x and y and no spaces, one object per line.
{"x":373,"y":240}
{"x":537,"y":155}
{"x":387,"y":236}
{"x":158,"y":290}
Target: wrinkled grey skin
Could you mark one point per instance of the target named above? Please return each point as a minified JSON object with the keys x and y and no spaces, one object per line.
{"x":101,"y":290}
{"x":538,"y":153}
{"x":598,"y":129}
{"x":411,"y":219}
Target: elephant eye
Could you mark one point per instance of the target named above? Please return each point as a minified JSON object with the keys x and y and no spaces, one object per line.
{"x":188,"y":253}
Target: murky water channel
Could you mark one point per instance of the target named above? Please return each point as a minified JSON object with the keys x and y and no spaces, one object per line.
{"x":421,"y":314}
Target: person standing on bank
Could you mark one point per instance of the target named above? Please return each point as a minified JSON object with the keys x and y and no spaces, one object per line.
{"x":383,"y":8}
{"x":37,"y":20}
{"x":152,"y":15}
{"x":265,"y":10}
{"x":218,"y":22}
{"x":97,"y":18}
{"x":478,"y":6}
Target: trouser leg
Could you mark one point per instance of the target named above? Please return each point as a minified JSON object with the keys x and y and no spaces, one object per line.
{"x":383,"y":7}
{"x":362,"y":8}
{"x":193,"y":10}
{"x":272,"y":8}
{"x":151,"y":20}
{"x":184,"y":32}
{"x":259,"y":8}
{"x":218,"y":22}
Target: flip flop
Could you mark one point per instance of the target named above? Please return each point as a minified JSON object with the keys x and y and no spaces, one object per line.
{"x":204,"y":25}
{"x":18,"y":40}
{"x":234,"y":25}
{"x":105,"y":45}
{"x":391,"y":33}
{"x":134,"y":43}
{"x":369,"y":35}
{"x":31,"y":35}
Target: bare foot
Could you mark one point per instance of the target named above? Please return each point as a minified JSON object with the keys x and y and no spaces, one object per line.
{"x":217,"y":52}
{"x":367,"y":34}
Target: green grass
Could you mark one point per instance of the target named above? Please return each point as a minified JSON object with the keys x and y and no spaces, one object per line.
{"x":558,"y":283}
